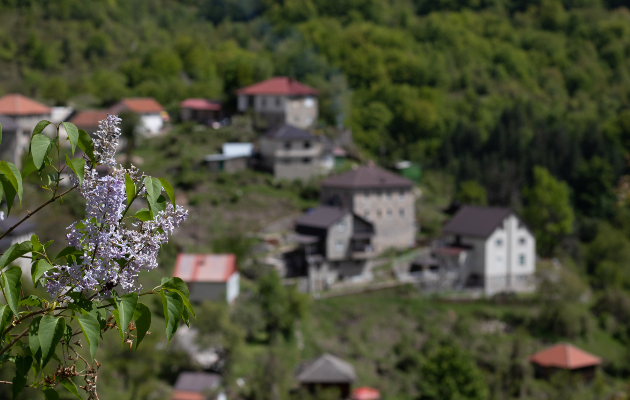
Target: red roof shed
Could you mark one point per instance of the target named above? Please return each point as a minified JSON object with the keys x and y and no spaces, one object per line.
{"x":140,"y":105}
{"x":564,"y":356}
{"x":279,"y":86}
{"x":205,"y":267}
{"x":200,"y":104}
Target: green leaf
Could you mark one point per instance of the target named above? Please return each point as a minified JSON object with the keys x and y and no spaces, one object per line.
{"x":85,"y":143}
{"x":12,"y":284}
{"x":143,"y":215}
{"x":68,"y":251}
{"x":19,"y":383}
{"x":185,"y":317}
{"x":72,"y":388}
{"x":40,"y":146}
{"x":18,"y":178}
{"x":77,"y":165}
{"x":159,"y":205}
{"x":9,"y":191}
{"x":50,"y":394}
{"x":154,"y":189}
{"x":37,"y":246}
{"x":22,"y":365}
{"x":73,"y":134}
{"x":91,"y":329}
{"x":33,"y":335}
{"x":130,"y":188}
{"x":173,"y":308}
{"x":67,"y":336}
{"x":126,"y":306}
{"x":29,"y":168}
{"x":11,"y":182}
{"x":168,"y":189}
{"x":142,"y":316}
{"x":51,"y":331}
{"x":38,"y":269}
{"x":178,"y":284}
{"x":39,"y":128}
{"x":6,"y":316}
{"x":14,"y":252}
{"x":30,"y":301}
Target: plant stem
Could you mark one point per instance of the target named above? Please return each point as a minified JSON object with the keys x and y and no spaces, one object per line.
{"x":8,"y":346}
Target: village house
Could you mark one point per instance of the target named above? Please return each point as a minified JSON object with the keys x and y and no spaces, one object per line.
{"x":564,"y":356}
{"x":88,"y":120}
{"x":10,"y":140}
{"x":280,"y":100}
{"x":488,"y":248}
{"x":235,"y":157}
{"x":26,"y":113}
{"x":384,"y":199}
{"x":290,"y":153}
{"x":197,"y":386}
{"x":151,"y":113}
{"x":327,"y":372}
{"x":209,"y":276}
{"x":336,"y":244}
{"x":203,"y":111}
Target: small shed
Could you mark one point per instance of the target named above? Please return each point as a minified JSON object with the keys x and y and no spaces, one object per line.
{"x":209,"y":276}
{"x":564,"y":356}
{"x":197,"y":386}
{"x":202,"y":111}
{"x":235,"y":157}
{"x":89,"y":120}
{"x":327,"y":371}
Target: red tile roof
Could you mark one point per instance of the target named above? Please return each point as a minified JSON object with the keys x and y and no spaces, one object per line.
{"x":186,"y":395}
{"x":368,"y":176}
{"x":564,"y":356}
{"x":365,"y":393}
{"x":140,"y":105}
{"x":17,"y":104}
{"x":200,"y":104}
{"x":279,"y":85}
{"x":88,"y":118}
{"x":205,"y":267}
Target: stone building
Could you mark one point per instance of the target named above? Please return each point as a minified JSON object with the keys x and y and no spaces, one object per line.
{"x":290,"y":153}
{"x":380,"y":197}
{"x":280,"y":100}
{"x":203,"y":111}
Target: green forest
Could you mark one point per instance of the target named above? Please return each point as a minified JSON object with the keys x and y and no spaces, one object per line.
{"x":502,"y":102}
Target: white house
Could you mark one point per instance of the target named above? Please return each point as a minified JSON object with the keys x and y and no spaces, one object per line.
{"x":281,"y":100}
{"x":152,"y":114}
{"x":491,"y":247}
{"x":209,"y":276}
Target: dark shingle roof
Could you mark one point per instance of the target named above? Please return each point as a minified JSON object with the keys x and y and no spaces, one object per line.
{"x":288,"y":132}
{"x":321,"y":216}
{"x":8,"y":124}
{"x":368,"y":176}
{"x":327,"y":369}
{"x":476,"y":220}
{"x":197,"y":381}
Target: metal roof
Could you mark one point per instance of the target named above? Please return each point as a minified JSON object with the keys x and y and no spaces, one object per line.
{"x":327,"y":369}
{"x":564,"y":356}
{"x":476,"y":220}
{"x":321,"y":216}
{"x":205,"y":267}
{"x":288,"y":132}
{"x":279,"y":85}
{"x":368,"y":176}
{"x":197,"y":381}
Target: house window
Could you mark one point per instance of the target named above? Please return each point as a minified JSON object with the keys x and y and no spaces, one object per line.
{"x":500,"y":262}
{"x":378,"y":213}
{"x":308,"y":102}
{"x":401,"y":213}
{"x":401,"y":196}
{"x":307,"y":145}
{"x":522,"y":241}
{"x":521,"y":259}
{"x":388,"y":195}
{"x":278,"y":101}
{"x":306,"y":161}
{"x":366,"y":214}
{"x":287,"y":145}
{"x":341,"y":226}
{"x":499,"y":242}
{"x":286,"y":161}
{"x":339,"y":245}
{"x":366,"y":197}
{"x":389,"y":214}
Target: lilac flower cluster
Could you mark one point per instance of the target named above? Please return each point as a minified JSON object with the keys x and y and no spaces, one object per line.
{"x":113,"y":253}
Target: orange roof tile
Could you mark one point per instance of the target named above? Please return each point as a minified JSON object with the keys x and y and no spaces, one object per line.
{"x":17,"y":104}
{"x":140,"y":105}
{"x":89,"y":118}
{"x":365,"y":393}
{"x":564,"y":356}
{"x":205,"y":267}
{"x":185,"y":395}
{"x":279,"y":85}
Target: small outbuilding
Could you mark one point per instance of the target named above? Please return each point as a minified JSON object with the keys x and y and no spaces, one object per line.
{"x":88,"y":120}
{"x":151,"y":113}
{"x":197,"y":386}
{"x":209,"y":276}
{"x":567,"y":357}
{"x":203,"y":111}
{"x":235,"y":157}
{"x":325,"y":372}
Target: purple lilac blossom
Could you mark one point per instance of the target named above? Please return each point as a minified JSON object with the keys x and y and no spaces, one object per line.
{"x":113,"y":254}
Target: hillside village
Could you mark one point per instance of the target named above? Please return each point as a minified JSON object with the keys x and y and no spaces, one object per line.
{"x":362,"y":235}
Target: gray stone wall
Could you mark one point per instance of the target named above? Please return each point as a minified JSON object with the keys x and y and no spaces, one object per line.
{"x":338,"y":239}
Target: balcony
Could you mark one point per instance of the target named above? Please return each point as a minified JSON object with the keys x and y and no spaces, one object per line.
{"x":362,"y":252}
